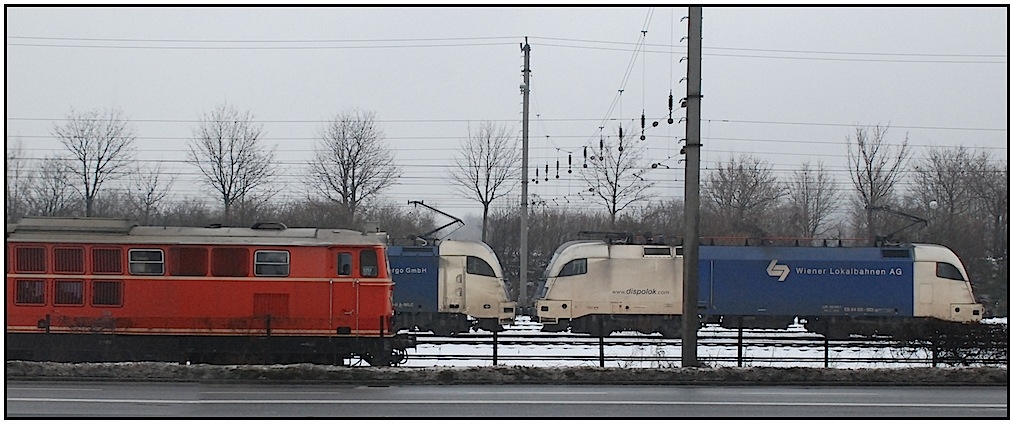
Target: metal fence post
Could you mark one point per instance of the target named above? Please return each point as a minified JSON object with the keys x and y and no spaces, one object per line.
{"x":739,"y":345}
{"x":494,"y":347}
{"x":935,"y":349}
{"x":602,"y":346}
{"x":827,"y":343}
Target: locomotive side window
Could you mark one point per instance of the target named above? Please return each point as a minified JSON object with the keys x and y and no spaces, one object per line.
{"x":68,"y":260}
{"x":31,"y":259}
{"x":107,"y":261}
{"x":230,"y":262}
{"x":30,"y":292}
{"x":477,"y":266}
{"x":948,"y":271}
{"x":146,"y":261}
{"x":344,"y":264}
{"x":368,"y":263}
{"x":574,"y":267}
{"x":657,"y":251}
{"x":271,"y":263}
{"x":188,"y":261}
{"x":69,"y":292}
{"x":107,"y":293}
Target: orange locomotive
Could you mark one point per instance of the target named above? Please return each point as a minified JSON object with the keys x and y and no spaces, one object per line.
{"x":98,"y":289}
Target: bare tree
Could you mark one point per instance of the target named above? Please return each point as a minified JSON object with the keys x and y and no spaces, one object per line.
{"x":147,"y":190}
{"x":101,"y":147}
{"x":226,"y":148}
{"x":943,"y":193}
{"x":739,"y":195}
{"x":351,"y":163}
{"x":875,"y":171}
{"x":488,"y":166}
{"x":614,"y":176}
{"x":17,"y":182}
{"x":51,"y":190}
{"x":812,"y":199}
{"x":989,"y":182}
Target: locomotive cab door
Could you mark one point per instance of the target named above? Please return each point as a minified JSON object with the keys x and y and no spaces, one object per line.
{"x":343,"y":293}
{"x":452,"y":284}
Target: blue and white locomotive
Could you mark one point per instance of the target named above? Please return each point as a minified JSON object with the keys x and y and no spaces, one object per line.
{"x":449,"y":288}
{"x":598,"y":287}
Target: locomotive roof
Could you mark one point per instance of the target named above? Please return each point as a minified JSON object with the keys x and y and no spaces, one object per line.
{"x":464,"y":248}
{"x":109,"y":230}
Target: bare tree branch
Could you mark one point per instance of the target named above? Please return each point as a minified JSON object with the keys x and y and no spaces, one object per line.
{"x":17,"y":183}
{"x":101,"y":144}
{"x":52,"y":191}
{"x":875,"y":171}
{"x":740,"y":195}
{"x":812,"y":199}
{"x":147,"y":190}
{"x":226,"y":148}
{"x":488,"y":167}
{"x":614,"y":177}
{"x":351,"y":164}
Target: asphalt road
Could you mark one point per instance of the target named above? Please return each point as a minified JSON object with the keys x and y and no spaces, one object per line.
{"x":125,"y":399}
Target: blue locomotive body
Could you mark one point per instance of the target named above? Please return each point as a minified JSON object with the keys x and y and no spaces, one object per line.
{"x":806,"y":281}
{"x":415,"y":271}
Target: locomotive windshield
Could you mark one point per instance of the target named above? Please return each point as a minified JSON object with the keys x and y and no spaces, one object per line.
{"x":948,"y":271}
{"x":477,"y":266}
{"x":574,"y":267}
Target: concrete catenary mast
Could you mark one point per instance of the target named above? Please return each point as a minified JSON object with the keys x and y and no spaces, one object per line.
{"x":523,"y":284}
{"x":693,"y":191}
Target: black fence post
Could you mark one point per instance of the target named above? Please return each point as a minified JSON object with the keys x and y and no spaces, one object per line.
{"x":494,"y":347}
{"x":827,"y":343}
{"x":935,"y":349}
{"x":602,"y":346}
{"x":739,"y":345}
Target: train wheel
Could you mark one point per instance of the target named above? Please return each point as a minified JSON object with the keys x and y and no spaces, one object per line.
{"x":380,"y":358}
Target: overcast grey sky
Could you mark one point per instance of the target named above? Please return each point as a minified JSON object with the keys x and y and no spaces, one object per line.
{"x":786,"y":84}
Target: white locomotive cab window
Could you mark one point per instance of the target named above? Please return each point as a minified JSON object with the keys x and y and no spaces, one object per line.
{"x":147,"y":261}
{"x":948,"y":271}
{"x":271,"y":263}
{"x":476,"y":266}
{"x":574,"y":267}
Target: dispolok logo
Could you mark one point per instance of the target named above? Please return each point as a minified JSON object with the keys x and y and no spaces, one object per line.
{"x":780,"y":271}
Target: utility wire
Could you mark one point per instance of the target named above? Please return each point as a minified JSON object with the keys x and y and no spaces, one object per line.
{"x":633,"y":46}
